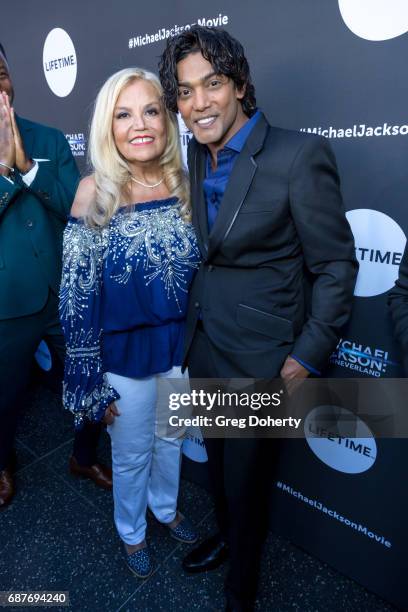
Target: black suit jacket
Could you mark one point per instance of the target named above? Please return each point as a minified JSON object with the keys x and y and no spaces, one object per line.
{"x":281,"y":220}
{"x":398,"y":304}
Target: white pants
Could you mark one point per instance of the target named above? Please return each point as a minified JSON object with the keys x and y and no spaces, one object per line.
{"x":145,"y":467}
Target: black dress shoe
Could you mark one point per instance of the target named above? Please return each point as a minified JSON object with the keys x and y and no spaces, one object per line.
{"x":207,"y":556}
{"x":6,"y":487}
{"x":99,"y":473}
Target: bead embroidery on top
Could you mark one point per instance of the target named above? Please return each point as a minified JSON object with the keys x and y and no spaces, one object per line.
{"x":160,"y":240}
{"x":154,"y":237}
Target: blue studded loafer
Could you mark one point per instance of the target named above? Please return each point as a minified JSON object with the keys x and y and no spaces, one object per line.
{"x":184,"y":532}
{"x":140,"y":563}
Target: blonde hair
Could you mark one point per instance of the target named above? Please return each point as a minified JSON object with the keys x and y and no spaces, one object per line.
{"x":111,"y":170}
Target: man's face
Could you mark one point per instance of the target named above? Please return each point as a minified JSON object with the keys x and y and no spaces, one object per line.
{"x":5,"y":81}
{"x":209,"y":103}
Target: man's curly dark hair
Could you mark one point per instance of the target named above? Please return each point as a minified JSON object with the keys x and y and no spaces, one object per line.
{"x":225,"y":54}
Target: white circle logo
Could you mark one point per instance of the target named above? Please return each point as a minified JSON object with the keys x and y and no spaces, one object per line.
{"x":325,"y":430}
{"x":59,"y":62}
{"x":380,"y":244}
{"x":185,"y":136}
{"x":193,"y":445}
{"x":375,"y":19}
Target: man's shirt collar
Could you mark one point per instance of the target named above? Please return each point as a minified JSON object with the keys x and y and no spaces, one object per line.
{"x":236,"y":143}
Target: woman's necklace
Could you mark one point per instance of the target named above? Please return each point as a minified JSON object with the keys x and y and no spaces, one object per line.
{"x":132,"y":178}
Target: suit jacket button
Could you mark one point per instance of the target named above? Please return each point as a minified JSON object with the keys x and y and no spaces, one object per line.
{"x":197,"y":305}
{"x":210,"y":268}
{"x":29,"y":223}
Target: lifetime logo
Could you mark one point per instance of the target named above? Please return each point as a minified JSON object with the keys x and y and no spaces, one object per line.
{"x":350,"y":455}
{"x":195,"y":440}
{"x":60,"y":62}
{"x":349,"y":443}
{"x":194,"y":446}
{"x":185,"y":139}
{"x":185,"y":136}
{"x":380,"y":244}
{"x":375,"y":20}
{"x":377,"y":256}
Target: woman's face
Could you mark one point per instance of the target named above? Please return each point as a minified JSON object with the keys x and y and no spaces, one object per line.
{"x":139,"y":125}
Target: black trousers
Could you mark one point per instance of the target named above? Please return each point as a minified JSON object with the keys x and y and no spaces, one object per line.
{"x":239,"y":470}
{"x":19,"y":339}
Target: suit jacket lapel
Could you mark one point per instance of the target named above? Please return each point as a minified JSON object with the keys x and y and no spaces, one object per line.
{"x":234,"y":196}
{"x":238,"y":185}
{"x":198,"y":200}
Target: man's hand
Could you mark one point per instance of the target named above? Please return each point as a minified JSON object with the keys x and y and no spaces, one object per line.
{"x":22,"y":162}
{"x":110,"y":414}
{"x":293,"y":373}
{"x":293,"y":369}
{"x":7,"y":144}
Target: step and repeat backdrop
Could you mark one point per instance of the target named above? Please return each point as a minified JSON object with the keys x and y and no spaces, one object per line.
{"x":331,"y":67}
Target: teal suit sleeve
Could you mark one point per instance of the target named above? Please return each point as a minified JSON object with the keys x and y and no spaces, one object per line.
{"x":8,"y":192}
{"x":57,"y":191}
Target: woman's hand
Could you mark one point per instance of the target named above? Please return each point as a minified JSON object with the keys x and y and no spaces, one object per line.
{"x":110,"y":413}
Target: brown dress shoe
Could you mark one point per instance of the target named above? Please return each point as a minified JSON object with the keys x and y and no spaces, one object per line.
{"x":99,"y":473}
{"x":6,"y":487}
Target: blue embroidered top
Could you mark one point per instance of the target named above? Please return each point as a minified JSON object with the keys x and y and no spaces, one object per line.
{"x":123,"y":300}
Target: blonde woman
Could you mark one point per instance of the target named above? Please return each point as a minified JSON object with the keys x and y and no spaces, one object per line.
{"x":129,"y":257}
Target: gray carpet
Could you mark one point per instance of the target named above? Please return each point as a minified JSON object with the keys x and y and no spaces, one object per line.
{"x":58,"y":534}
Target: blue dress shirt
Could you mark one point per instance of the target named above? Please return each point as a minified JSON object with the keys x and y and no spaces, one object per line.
{"x":215,"y":182}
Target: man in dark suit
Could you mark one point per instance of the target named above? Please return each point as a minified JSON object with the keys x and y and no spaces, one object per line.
{"x":398,"y":305}
{"x":38,"y":180}
{"x":268,"y":212}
